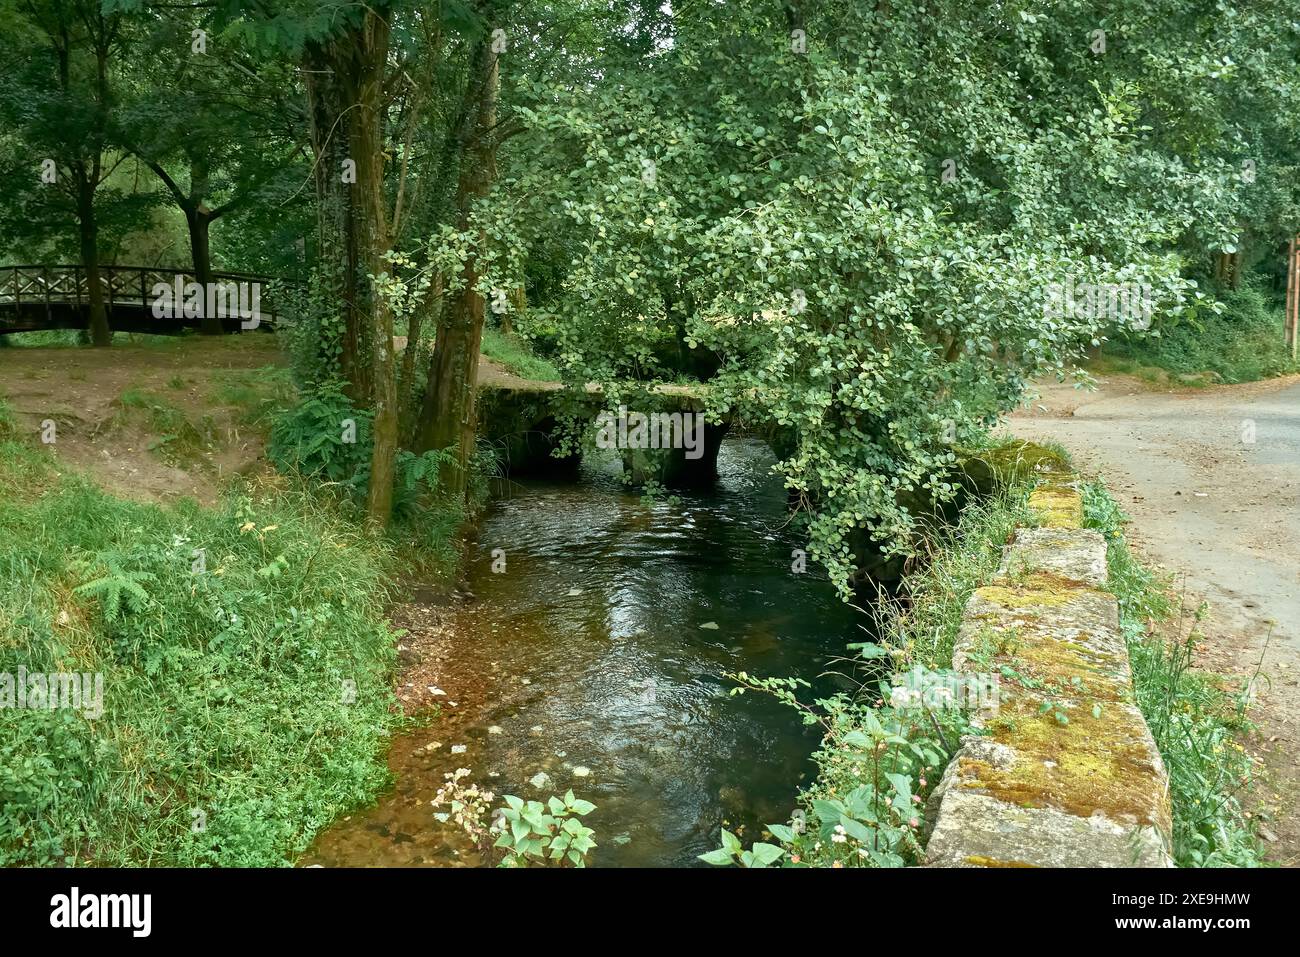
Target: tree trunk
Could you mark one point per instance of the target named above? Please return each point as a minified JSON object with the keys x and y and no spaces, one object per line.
{"x":372,"y":223}
{"x":199,"y":220}
{"x":409,"y":397}
{"x":332,"y":93}
{"x":88,"y":226}
{"x":447,"y":416}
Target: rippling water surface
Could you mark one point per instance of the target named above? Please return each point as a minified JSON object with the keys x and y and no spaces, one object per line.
{"x":595,"y":659}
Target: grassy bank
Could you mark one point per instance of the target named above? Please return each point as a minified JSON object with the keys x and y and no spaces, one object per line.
{"x":245,"y":658}
{"x":517,"y":356}
{"x":1242,"y":344}
{"x":1195,"y":717}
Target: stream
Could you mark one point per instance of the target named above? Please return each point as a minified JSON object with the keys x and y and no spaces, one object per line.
{"x":597,"y":657}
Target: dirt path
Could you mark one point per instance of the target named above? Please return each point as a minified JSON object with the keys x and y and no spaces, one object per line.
{"x":123,"y":449}
{"x":1211,"y":478}
{"x":208,"y":381}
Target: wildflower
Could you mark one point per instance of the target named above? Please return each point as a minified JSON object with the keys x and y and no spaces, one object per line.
{"x":913,"y":822}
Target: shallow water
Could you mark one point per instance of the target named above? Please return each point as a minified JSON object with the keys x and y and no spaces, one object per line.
{"x":595,"y":651}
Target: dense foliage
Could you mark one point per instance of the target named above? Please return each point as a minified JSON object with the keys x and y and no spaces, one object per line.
{"x":847,"y":219}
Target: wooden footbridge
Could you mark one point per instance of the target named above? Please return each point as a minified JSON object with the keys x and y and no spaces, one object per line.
{"x":58,"y":297}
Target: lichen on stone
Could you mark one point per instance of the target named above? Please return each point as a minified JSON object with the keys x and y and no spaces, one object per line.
{"x":1057,"y":506}
{"x":1091,"y":764}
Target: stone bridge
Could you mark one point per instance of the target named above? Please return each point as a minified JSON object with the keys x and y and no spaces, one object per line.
{"x":524,"y":420}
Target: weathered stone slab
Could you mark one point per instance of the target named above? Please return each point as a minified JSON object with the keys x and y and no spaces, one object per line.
{"x":974,"y":830}
{"x":1058,"y":504}
{"x":1063,"y":771}
{"x":1077,"y":554}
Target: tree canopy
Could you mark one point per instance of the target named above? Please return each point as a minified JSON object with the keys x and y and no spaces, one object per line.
{"x":846,"y":222}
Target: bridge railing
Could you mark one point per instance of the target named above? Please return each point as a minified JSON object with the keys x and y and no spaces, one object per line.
{"x":121,"y":285}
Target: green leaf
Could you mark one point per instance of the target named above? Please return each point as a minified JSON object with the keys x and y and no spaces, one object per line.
{"x":730,"y":842}
{"x":767,"y":853}
{"x":720,"y":857}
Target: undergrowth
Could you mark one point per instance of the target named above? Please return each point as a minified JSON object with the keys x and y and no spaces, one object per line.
{"x":245,"y":662}
{"x":1195,"y":719}
{"x":1243,"y":343}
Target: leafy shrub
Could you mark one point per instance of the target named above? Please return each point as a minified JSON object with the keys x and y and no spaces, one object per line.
{"x":325,"y":436}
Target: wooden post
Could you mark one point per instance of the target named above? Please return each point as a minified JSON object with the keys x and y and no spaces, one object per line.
{"x":1293,"y":294}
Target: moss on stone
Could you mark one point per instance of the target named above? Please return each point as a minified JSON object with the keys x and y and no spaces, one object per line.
{"x":1057,"y":506}
{"x":1051,"y":663}
{"x":1093,"y":763}
{"x":1016,"y":461}
{"x":1040,"y":587}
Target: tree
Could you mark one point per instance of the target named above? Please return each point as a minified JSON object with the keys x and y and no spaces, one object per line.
{"x":862,"y":210}
{"x":62,"y":100}
{"x":447,"y":417}
{"x":215,"y":126}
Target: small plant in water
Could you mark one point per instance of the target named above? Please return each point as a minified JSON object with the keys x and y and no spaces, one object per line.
{"x":521,"y":834}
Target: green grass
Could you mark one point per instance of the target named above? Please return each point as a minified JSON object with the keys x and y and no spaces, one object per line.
{"x":1195,"y":720}
{"x":8,"y":424}
{"x":960,"y":560}
{"x":1243,"y":344}
{"x":258,"y":393}
{"x":517,"y":357}
{"x":223,"y":689}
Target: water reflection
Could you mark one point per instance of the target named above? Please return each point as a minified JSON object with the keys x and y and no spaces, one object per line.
{"x":597,"y":658}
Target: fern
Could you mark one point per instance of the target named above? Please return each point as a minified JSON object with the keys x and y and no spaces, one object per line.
{"x":118,"y":588}
{"x":309,"y":438}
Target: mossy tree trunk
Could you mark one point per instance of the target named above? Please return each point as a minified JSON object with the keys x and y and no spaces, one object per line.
{"x":447,"y":415}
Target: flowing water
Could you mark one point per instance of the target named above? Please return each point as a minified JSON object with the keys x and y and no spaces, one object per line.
{"x":597,"y":657}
